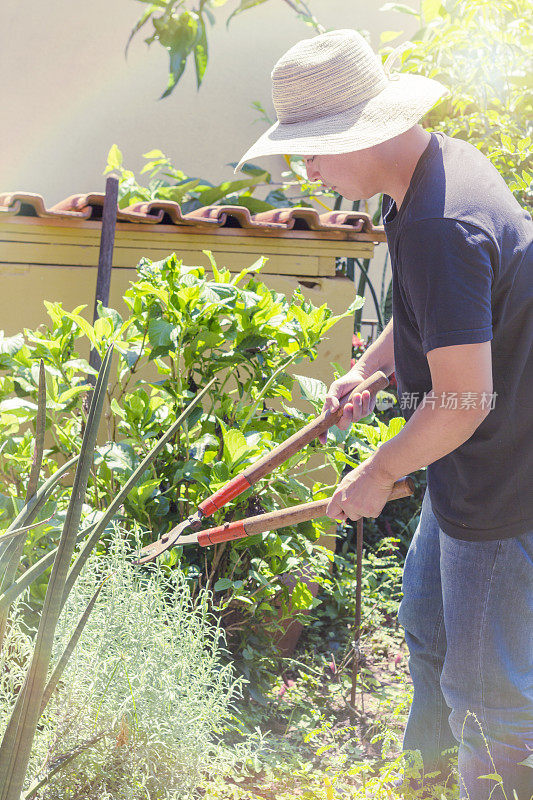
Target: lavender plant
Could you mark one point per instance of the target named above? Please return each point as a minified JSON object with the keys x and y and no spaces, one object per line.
{"x":146,"y":687}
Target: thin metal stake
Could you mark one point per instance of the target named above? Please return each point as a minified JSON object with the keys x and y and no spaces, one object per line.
{"x":357,"y":624}
{"x":105,"y":259}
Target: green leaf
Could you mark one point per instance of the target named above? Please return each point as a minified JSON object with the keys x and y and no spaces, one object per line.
{"x":221,"y":584}
{"x":144,"y":491}
{"x":244,"y":5}
{"x":395,"y":426}
{"x":103,"y":329}
{"x":15,"y":404}
{"x":177,"y":193}
{"x":372,"y":434}
{"x":118,"y":456}
{"x":235,"y":446}
{"x":154,"y":154}
{"x":254,"y":171}
{"x":201,"y":54}
{"x":213,"y":194}
{"x":11,"y":344}
{"x":84,"y":326}
{"x":160,"y":332}
{"x":179,"y":37}
{"x":312,"y":389}
{"x":110,"y":313}
{"x":492,"y":777}
{"x":253,"y":204}
{"x":528,"y":762}
{"x":114,"y":158}
{"x":402,"y":8}
{"x":431,"y":9}
{"x":301,"y":597}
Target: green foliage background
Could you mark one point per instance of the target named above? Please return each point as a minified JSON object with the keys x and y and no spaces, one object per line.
{"x":481,"y":50}
{"x":183,"y":329}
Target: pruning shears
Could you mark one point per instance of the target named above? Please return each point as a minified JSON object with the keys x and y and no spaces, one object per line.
{"x":253,"y":473}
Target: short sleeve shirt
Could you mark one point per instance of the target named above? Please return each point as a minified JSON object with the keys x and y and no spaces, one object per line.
{"x":461,"y":250}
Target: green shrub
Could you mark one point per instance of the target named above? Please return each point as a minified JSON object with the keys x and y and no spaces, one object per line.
{"x":481,"y":51}
{"x":182,"y":330}
{"x":147,"y":675}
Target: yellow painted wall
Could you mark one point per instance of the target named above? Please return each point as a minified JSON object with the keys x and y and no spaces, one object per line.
{"x":49,"y":260}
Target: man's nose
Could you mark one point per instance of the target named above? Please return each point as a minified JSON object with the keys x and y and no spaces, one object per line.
{"x":312,"y":172}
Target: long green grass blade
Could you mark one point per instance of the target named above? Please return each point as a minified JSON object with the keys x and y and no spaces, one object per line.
{"x":14,"y":553}
{"x":32,"y":507}
{"x":36,"y":785}
{"x":40,"y":428}
{"x":8,"y":592}
{"x":69,"y":649}
{"x":35,"y":571}
{"x":25,"y":529}
{"x":18,"y":738}
{"x":6,"y":558}
{"x":126,"y":489}
{"x":95,"y":529}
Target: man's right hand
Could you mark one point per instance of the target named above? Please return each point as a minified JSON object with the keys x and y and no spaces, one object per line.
{"x":363,"y":405}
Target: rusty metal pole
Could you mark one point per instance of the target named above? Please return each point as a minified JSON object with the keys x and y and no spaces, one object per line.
{"x":105,"y":259}
{"x":357,"y":625}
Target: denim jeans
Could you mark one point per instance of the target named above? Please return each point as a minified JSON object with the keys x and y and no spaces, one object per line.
{"x":467,"y":612}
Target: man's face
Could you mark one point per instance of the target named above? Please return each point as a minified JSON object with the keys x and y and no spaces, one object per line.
{"x":351,"y":174}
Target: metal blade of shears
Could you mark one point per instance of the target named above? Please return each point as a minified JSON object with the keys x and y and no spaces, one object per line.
{"x":171,"y":539}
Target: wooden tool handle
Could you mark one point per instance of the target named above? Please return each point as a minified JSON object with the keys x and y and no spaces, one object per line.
{"x":285,"y":516}
{"x":377,"y":381}
{"x":313,"y":429}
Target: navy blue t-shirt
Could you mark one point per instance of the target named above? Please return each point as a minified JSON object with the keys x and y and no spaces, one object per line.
{"x":461,"y":251}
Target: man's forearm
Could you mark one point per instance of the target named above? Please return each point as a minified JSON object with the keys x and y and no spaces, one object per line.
{"x":380,"y":354}
{"x":435,"y":430}
{"x":430,"y":434}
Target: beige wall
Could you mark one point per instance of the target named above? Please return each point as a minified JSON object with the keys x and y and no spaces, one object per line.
{"x":68,"y":93}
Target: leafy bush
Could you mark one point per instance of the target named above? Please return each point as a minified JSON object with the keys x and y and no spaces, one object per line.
{"x":182,"y":330}
{"x":182,"y":31}
{"x":168,"y":183}
{"x":481,"y":51}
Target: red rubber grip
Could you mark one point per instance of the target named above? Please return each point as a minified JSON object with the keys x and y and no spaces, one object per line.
{"x":234,"y":488}
{"x":224,"y":533}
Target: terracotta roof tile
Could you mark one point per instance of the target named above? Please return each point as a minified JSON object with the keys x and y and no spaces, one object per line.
{"x":164,"y":212}
{"x":92,"y":206}
{"x":25,"y":204}
{"x":354,"y":224}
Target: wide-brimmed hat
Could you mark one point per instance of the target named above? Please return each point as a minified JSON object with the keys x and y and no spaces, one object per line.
{"x":333,"y":95}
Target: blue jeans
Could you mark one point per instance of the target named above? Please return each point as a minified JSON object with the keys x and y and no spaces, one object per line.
{"x":467,"y":612}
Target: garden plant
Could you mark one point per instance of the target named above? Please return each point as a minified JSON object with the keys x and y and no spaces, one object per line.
{"x":184,"y":329}
{"x":253,"y":336}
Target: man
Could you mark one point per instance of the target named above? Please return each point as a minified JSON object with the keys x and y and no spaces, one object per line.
{"x":460,"y":342}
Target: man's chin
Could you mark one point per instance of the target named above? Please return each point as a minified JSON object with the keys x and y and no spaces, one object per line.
{"x":353,"y":195}
{"x":359,"y":196}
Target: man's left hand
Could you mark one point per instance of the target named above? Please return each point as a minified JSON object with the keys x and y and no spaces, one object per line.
{"x":361,"y":493}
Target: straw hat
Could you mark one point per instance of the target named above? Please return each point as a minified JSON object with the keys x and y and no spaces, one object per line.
{"x":332,"y":95}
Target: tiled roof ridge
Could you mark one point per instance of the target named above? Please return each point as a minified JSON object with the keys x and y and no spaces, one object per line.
{"x":166,"y":212}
